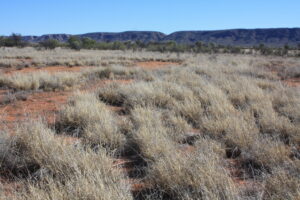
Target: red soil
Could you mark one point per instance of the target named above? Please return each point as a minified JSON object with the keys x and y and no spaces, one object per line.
{"x":2,"y":93}
{"x":235,"y":169}
{"x":293,"y":82}
{"x":8,"y":186}
{"x":120,"y":162}
{"x":68,"y":140}
{"x":240,"y":177}
{"x":126,"y":166}
{"x":275,"y":66}
{"x":137,"y":185}
{"x":46,"y":104}
{"x":151,"y":65}
{"x":187,"y":149}
{"x":41,"y":104}
{"x":92,"y":86}
{"x":49,"y":69}
{"x":116,"y":108}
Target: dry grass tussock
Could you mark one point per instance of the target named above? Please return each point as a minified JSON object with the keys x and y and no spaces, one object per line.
{"x":86,"y":117}
{"x":54,"y":170}
{"x":193,"y":176}
{"x":173,"y":173}
{"x":245,"y":108}
{"x":66,"y":80}
{"x":15,"y":57}
{"x":40,"y":81}
{"x":203,"y":130}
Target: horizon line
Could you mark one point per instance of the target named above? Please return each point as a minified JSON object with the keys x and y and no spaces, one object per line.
{"x":116,"y":32}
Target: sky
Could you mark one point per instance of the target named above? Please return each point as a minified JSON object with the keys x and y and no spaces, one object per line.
{"x":37,"y":17}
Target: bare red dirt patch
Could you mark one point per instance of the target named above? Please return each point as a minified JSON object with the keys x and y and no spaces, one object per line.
{"x":293,"y":82}
{"x":3,"y":92}
{"x":275,"y":69}
{"x":155,"y":64}
{"x":40,"y":104}
{"x":9,"y":186}
{"x":49,"y":69}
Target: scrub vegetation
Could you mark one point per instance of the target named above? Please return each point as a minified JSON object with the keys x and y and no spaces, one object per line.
{"x":211,"y":126}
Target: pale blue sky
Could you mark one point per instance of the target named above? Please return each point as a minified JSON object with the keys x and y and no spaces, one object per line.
{"x":37,"y":17}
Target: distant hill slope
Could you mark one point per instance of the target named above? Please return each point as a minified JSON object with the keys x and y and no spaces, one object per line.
{"x":59,"y":37}
{"x":144,"y":36}
{"x":240,"y":37}
{"x":236,"y":37}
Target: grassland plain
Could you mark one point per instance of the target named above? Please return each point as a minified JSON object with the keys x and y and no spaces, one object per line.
{"x":143,"y":125}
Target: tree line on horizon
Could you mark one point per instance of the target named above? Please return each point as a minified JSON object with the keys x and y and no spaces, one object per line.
{"x":77,"y":43}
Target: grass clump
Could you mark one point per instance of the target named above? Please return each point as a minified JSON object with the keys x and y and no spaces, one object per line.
{"x":86,"y":117}
{"x":110,"y":94}
{"x":196,"y":175}
{"x":113,"y":72}
{"x":149,"y":133}
{"x":40,"y":81}
{"x":146,"y":94}
{"x":60,"y":171}
{"x":284,"y":183}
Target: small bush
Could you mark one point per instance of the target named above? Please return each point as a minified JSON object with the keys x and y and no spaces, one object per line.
{"x":75,"y":43}
{"x":50,"y":44}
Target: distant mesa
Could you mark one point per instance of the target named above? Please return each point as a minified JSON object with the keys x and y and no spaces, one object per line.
{"x":275,"y":37}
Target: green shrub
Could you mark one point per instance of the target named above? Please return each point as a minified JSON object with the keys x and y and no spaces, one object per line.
{"x":49,"y":44}
{"x":75,"y":43}
{"x":88,"y":43}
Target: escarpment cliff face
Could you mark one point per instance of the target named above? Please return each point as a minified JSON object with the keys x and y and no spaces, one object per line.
{"x":236,"y":37}
{"x":240,"y":37}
